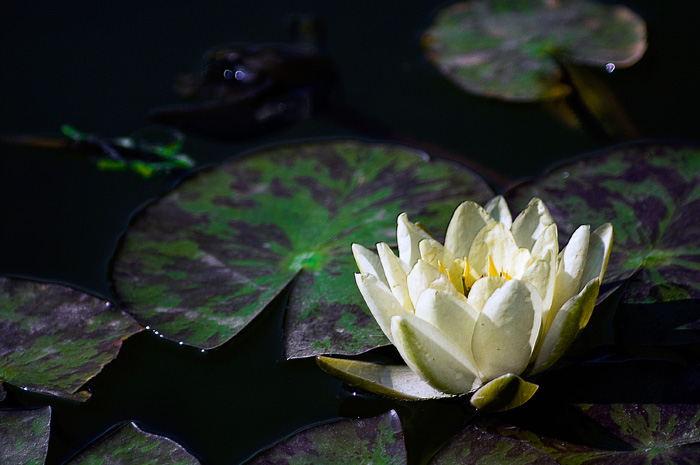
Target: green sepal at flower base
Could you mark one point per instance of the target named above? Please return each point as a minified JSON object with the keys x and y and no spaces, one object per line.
{"x":496,"y":301}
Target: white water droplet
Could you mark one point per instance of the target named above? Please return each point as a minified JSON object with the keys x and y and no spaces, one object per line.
{"x":148,"y":327}
{"x":161,"y":335}
{"x":228,"y":74}
{"x":565,"y":174}
{"x":155,"y":332}
{"x":202,"y":351}
{"x":610,"y":67}
{"x":181,"y":343}
{"x":25,"y":388}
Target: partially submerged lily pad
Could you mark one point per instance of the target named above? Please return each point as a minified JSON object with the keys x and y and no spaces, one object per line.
{"x":130,"y":445}
{"x":509,"y":49}
{"x":53,"y":338}
{"x":653,"y":433}
{"x":201,"y":262}
{"x":369,"y":440}
{"x":24,"y":436}
{"x":651,"y":195}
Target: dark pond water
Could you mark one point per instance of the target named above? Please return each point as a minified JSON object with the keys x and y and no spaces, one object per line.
{"x":102,"y":66}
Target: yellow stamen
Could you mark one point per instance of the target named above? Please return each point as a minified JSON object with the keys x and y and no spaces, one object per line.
{"x":493,"y":272}
{"x":505,"y":274}
{"x":467,"y":279}
{"x":442,"y":268}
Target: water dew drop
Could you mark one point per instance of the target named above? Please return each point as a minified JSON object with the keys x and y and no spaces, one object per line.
{"x":25,"y":388}
{"x":161,"y":335}
{"x":148,"y":327}
{"x":565,"y":174}
{"x":239,"y":75}
{"x":228,"y":74}
{"x":181,"y":343}
{"x":610,"y":67}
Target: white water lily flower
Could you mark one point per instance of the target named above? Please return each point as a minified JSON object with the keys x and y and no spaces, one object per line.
{"x":497,"y":300}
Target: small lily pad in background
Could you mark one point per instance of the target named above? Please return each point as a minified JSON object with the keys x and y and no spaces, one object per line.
{"x":129,"y":445}
{"x":53,"y":338}
{"x":651,"y":195}
{"x":666,"y":433}
{"x":24,"y":436}
{"x":509,"y":49}
{"x":201,"y":262}
{"x":377,"y":440}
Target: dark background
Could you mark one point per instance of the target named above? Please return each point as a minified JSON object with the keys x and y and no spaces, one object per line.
{"x":101,"y":66}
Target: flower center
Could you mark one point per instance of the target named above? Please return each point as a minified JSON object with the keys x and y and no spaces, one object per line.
{"x":463,"y":277}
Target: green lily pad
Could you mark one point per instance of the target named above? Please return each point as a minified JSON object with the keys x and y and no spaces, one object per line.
{"x":24,"y":436}
{"x":651,"y":195}
{"x":201,"y":262}
{"x":129,"y":445}
{"x":53,"y":338}
{"x":665,"y":433}
{"x":377,"y":440}
{"x":510,"y":49}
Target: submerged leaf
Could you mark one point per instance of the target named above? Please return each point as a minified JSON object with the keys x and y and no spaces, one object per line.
{"x":24,"y":436}
{"x":53,"y":339}
{"x":201,"y":262}
{"x":376,"y":440}
{"x":509,"y":49}
{"x":651,"y":195}
{"x":666,"y":433}
{"x":130,"y":445}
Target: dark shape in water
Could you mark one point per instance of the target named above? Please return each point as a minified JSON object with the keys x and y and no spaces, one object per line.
{"x":250,"y":90}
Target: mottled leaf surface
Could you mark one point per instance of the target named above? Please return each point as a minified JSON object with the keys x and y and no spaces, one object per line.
{"x":664,"y":433}
{"x":202,"y":261}
{"x":129,"y":445}
{"x":509,"y":48}
{"x":377,"y":440}
{"x":53,"y":338}
{"x":651,"y":195}
{"x":24,"y":436}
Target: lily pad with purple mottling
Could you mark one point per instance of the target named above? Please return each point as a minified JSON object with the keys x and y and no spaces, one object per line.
{"x":129,"y":445}
{"x":663,"y":433}
{"x":651,"y":195}
{"x":53,"y":338}
{"x":24,"y":436}
{"x":378,"y":440}
{"x":199,"y":264}
{"x":510,"y":49}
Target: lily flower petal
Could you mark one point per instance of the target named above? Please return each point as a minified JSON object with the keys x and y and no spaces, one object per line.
{"x":507,"y":330}
{"x":571,"y":266}
{"x":499,"y":211}
{"x":495,"y":241}
{"x":380,"y":301}
{"x":568,"y":323}
{"x":395,"y":381}
{"x":431,"y":354}
{"x":548,"y":240}
{"x":482,"y":290}
{"x":503,"y":393}
{"x":598,"y":253}
{"x":450,"y":313}
{"x":468,"y":219}
{"x":542,"y":275}
{"x":420,"y":278}
{"x":368,"y":262}
{"x":396,"y":271}
{"x":408,"y":235}
{"x":530,"y":223}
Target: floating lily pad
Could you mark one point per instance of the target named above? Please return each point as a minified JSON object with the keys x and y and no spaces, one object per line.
{"x":201,"y":262}
{"x":24,"y":436}
{"x":129,"y":445}
{"x":377,"y":440}
{"x":665,"y":433}
{"x":53,"y":338}
{"x":510,"y":49}
{"x":651,"y":195}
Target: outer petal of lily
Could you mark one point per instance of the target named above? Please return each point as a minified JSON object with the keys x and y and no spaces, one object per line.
{"x":420,"y":278}
{"x":395,"y":381}
{"x":530,"y":223}
{"x":408,"y":235}
{"x":482,"y":290}
{"x":450,"y":313}
{"x":548,"y":240}
{"x":568,"y":323}
{"x":598,"y":253}
{"x":368,"y":262}
{"x":571,"y":266}
{"x":431,"y":251}
{"x":468,"y":219}
{"x":503,"y":393}
{"x":395,"y":270}
{"x":380,"y":300}
{"x":507,"y":329}
{"x":431,"y":354}
{"x":498,"y":209}
{"x":496,"y":241}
